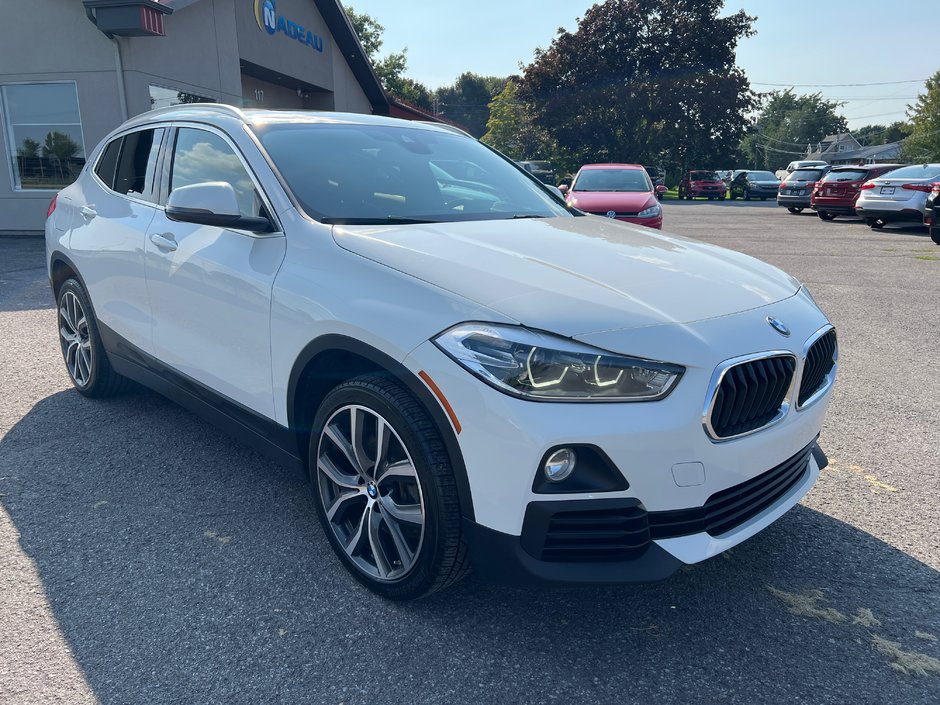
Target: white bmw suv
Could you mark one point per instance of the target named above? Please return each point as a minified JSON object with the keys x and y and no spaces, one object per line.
{"x":467,"y":369}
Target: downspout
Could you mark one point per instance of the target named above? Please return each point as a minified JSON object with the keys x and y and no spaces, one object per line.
{"x":118,"y":65}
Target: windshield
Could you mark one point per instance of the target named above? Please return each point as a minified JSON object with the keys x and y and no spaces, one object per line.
{"x":704,"y":176}
{"x":917,"y":171}
{"x":846,"y":175}
{"x":372,"y":174}
{"x":632,"y":180}
{"x":761,"y":176}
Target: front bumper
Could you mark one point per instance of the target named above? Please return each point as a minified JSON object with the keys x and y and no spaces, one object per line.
{"x":639,"y":549}
{"x":656,"y":222}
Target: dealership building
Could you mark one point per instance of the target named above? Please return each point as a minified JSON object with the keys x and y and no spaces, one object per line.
{"x":73,"y":70}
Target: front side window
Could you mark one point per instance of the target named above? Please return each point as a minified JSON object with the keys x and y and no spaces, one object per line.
{"x":44,"y":131}
{"x":201,"y":156}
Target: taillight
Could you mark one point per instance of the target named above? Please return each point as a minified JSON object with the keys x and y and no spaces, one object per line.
{"x":868,"y":185}
{"x":925,"y":188}
{"x":936,"y":188}
{"x":51,"y":209}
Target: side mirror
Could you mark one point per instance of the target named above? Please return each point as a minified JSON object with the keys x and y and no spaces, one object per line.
{"x":212,"y":203}
{"x":661,"y":189}
{"x":557,"y":191}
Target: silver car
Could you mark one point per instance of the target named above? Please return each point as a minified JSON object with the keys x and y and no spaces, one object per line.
{"x":898,"y":196}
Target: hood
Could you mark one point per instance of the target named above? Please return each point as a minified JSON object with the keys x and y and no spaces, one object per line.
{"x":574,"y":276}
{"x":603,"y":201}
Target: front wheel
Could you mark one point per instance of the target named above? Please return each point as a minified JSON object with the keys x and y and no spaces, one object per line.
{"x":794,"y":209}
{"x":385,"y":489}
{"x":84,"y":354}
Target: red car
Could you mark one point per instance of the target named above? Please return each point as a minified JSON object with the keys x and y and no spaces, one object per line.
{"x":836,"y":193}
{"x":619,"y":191}
{"x":702,"y":183}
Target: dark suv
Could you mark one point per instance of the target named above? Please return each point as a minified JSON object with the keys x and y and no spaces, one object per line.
{"x":796,"y":190}
{"x":838,"y":190}
{"x":543,"y":171}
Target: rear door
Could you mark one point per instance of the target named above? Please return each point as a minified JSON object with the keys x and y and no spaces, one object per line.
{"x":210,"y":287}
{"x":115,"y":205}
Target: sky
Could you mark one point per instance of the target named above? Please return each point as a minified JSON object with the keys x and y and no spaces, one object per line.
{"x":798,"y":43}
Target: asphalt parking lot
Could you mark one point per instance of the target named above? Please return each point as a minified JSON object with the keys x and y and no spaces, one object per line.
{"x":145,"y":557}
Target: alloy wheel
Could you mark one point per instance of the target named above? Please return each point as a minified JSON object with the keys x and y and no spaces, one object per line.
{"x":370,"y":492}
{"x":75,"y":338}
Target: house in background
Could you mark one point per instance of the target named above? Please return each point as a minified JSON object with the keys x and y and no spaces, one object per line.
{"x":845,"y":149}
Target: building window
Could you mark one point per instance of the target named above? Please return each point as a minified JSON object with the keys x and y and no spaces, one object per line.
{"x":841,"y":147}
{"x":44,"y":132}
{"x":161,"y":97}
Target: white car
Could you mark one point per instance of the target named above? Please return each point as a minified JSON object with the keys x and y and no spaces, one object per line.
{"x":898,"y":196}
{"x":468,"y":369}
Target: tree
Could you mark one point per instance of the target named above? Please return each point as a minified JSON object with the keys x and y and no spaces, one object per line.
{"x":511,"y":129}
{"x":60,"y":146}
{"x":923,"y":145}
{"x":644,"y":81}
{"x":871,"y":135}
{"x":467,"y":101}
{"x":29,"y":149}
{"x":391,"y":68}
{"x":788,"y":124}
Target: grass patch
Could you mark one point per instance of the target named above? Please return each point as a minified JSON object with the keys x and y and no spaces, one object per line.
{"x":928,"y":258}
{"x":807,"y":605}
{"x":912,"y":663}
{"x":866,"y":618}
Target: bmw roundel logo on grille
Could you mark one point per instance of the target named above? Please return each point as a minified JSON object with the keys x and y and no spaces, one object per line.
{"x":778,"y":326}
{"x":611,"y":214}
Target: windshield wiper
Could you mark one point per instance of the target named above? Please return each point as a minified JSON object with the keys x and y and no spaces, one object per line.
{"x":396,"y":219}
{"x":527,"y":215}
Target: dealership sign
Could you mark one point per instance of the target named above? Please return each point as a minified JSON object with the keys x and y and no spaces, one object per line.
{"x":270,"y":21}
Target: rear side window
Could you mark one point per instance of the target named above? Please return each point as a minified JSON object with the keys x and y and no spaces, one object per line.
{"x":108,"y":162}
{"x":917,"y":171}
{"x":137,"y":164}
{"x":805,"y":175}
{"x":202,"y":156}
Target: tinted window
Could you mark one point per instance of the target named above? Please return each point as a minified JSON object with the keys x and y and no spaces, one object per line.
{"x":201,"y":156}
{"x":917,"y":171}
{"x":704,"y":176}
{"x":108,"y":162}
{"x":761,"y":176}
{"x":377,"y":173}
{"x":805,"y":175}
{"x":138,"y":163}
{"x":633,"y":180}
{"x":846,"y":175}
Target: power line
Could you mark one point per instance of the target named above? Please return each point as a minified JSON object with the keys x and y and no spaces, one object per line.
{"x":837,"y":85}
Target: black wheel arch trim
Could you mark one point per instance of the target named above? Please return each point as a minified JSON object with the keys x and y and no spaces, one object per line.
{"x":332,"y":342}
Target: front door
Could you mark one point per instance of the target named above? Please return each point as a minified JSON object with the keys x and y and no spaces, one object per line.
{"x":210,"y":287}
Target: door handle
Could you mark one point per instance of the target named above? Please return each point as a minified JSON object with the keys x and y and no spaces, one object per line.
{"x":88,"y":212}
{"x":164,"y":242}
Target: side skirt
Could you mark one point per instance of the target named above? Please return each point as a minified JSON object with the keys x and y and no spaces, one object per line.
{"x":246,"y":426}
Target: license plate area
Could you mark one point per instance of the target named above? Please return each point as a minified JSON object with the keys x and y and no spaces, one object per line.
{"x":887,"y":190}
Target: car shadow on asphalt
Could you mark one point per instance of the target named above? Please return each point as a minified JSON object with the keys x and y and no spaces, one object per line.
{"x":181,"y":567}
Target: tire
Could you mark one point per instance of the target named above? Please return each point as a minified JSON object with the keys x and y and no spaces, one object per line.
{"x":732,"y":196}
{"x":826,"y":215}
{"x":723,"y":197}
{"x":876,"y":223}
{"x":794,"y":209}
{"x":85,"y":358}
{"x":747,"y":195}
{"x":935,"y":234}
{"x":403,"y":530}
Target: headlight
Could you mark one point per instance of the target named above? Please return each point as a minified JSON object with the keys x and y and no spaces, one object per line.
{"x":650,"y":212}
{"x":535,"y":365}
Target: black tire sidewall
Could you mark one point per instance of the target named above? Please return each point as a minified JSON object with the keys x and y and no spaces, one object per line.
{"x":423,"y":575}
{"x":98,"y":355}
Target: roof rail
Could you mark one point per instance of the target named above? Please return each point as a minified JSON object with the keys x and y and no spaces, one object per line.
{"x":218,"y":107}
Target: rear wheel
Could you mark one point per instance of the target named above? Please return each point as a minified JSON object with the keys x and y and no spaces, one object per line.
{"x":875,"y":223}
{"x":935,"y":234}
{"x":84,"y":354}
{"x":826,"y":215}
{"x":385,"y":490}
{"x":795,"y":209}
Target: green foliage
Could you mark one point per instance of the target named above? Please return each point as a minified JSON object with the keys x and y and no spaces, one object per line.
{"x":369,"y":31}
{"x":923,"y":145}
{"x":59,"y":145}
{"x":871,"y":135}
{"x":467,"y":101}
{"x":648,"y":81}
{"x":786,"y":125}
{"x":29,"y":149}
{"x":511,"y":129}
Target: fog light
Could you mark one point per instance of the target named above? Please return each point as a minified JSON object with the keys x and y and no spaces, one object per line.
{"x":560,"y":465}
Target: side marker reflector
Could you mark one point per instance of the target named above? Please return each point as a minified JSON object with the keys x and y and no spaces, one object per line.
{"x":441,"y":398}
